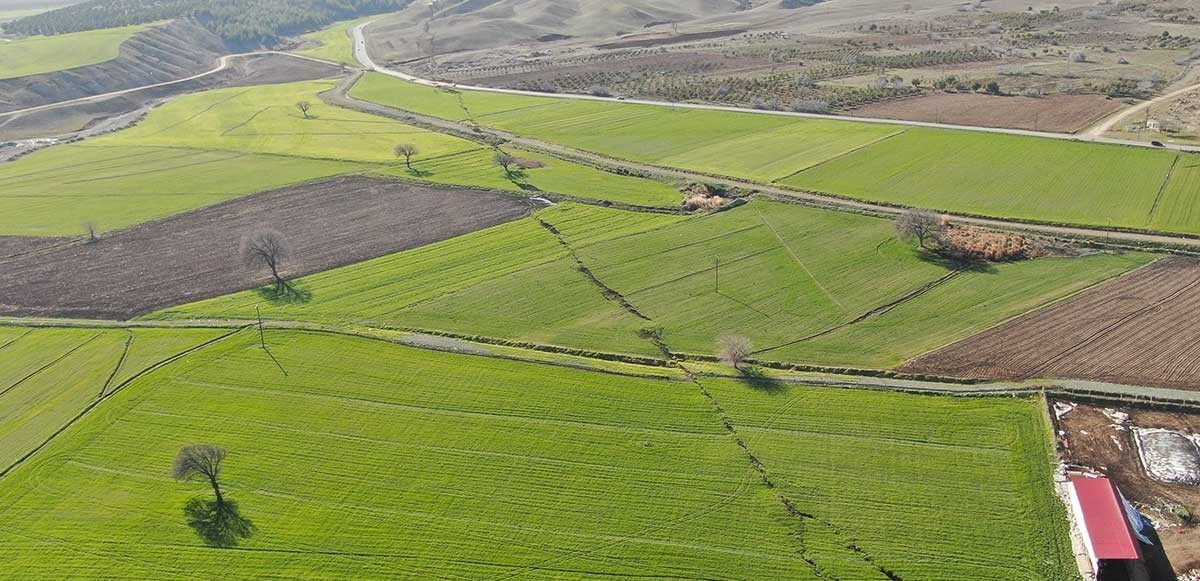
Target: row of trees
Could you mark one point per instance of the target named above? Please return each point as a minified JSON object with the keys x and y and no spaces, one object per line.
{"x":240,"y":22}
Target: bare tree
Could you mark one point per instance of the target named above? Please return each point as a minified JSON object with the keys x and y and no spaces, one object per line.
{"x":304,"y":107}
{"x":506,"y":161}
{"x":91,"y":232}
{"x":734,"y":349}
{"x":200,"y":462}
{"x":407,"y":151}
{"x":266,"y":248}
{"x":924,"y":225}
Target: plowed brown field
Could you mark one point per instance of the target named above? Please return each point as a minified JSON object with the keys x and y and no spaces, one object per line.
{"x":1140,"y":329}
{"x":194,"y":256}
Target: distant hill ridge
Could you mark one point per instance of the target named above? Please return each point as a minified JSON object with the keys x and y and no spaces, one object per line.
{"x":240,"y":23}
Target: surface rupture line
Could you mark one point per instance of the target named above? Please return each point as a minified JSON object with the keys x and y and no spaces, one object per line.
{"x":50,"y":364}
{"x":117,"y":369}
{"x":1161,"y":190}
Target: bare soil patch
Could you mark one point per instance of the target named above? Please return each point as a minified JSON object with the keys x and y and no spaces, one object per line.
{"x":1092,"y":439}
{"x":11,"y":246}
{"x":1139,"y":329}
{"x":1058,"y":113}
{"x":195,"y":256}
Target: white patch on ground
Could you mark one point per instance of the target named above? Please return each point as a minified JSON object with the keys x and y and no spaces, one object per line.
{"x":1063,"y":408}
{"x":1168,"y":456}
{"x":1117,"y":417}
{"x":1117,"y":441}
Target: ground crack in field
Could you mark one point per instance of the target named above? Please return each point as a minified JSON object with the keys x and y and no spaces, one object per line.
{"x":803,"y":517}
{"x":879,"y":310}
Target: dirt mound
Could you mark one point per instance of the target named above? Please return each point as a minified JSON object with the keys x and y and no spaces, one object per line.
{"x":1139,"y":329}
{"x":172,"y":51}
{"x":195,"y":256}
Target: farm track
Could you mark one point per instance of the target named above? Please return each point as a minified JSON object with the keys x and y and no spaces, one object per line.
{"x":339,"y":96}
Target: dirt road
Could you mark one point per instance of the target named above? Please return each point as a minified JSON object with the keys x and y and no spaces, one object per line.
{"x":1106,"y":125}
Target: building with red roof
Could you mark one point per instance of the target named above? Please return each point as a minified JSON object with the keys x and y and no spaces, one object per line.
{"x":1107,"y":525}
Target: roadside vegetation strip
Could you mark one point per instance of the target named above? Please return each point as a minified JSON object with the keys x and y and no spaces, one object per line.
{"x":969,"y":479}
{"x":552,"y":177}
{"x":570,"y":445}
{"x":45,"y":54}
{"x":60,"y":190}
{"x":38,"y":404}
{"x":749,"y":146}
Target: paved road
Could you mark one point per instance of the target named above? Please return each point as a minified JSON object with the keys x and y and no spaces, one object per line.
{"x":222,"y":64}
{"x":362,"y":54}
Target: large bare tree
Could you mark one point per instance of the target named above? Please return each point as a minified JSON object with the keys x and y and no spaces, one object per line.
{"x":407,"y":151}
{"x":924,"y":225}
{"x":304,"y":107}
{"x":266,"y":248}
{"x":200,"y":462}
{"x":506,"y":161}
{"x":734,"y":349}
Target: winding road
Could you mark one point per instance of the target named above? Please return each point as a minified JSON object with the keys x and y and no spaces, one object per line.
{"x":363,"y":56}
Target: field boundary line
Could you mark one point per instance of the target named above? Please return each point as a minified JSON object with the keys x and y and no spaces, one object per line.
{"x":1044,"y":305}
{"x":841,"y":155}
{"x":52,"y":363}
{"x":15,"y":339}
{"x":873,"y":312}
{"x":1162,"y":190}
{"x":91,"y":406}
{"x":795,"y":257}
{"x":247,"y":121}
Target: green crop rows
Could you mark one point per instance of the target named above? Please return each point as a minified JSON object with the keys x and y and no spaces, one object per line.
{"x":1006,"y":176}
{"x":370,"y":460}
{"x":777,"y":282}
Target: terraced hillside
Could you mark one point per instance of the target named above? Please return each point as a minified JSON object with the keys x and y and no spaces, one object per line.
{"x":157,"y":54}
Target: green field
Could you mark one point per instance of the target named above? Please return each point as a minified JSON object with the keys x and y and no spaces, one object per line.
{"x":335,"y":41}
{"x":1001,"y":175}
{"x":779,"y":284}
{"x":210,"y":147}
{"x":50,"y":375}
{"x":45,"y":54}
{"x":967,"y":172}
{"x":1178,"y":208}
{"x":57,"y":191}
{"x":370,"y":460}
{"x":760,"y":147}
{"x":515,"y":281}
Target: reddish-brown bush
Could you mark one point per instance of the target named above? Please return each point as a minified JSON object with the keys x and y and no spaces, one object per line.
{"x":975,"y":244}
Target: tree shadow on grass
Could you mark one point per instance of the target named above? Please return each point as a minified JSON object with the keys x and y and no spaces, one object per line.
{"x":291,"y":293}
{"x":418,"y":172}
{"x":956,"y":263}
{"x":219,"y":524}
{"x":756,"y":378}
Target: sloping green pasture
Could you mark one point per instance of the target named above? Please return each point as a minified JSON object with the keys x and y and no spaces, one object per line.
{"x":743,"y":145}
{"x":45,"y":54}
{"x":791,"y":278}
{"x":48,"y":376}
{"x":789,"y":273}
{"x":55,"y":192}
{"x":370,"y":461}
{"x":930,"y":487}
{"x":515,"y":281}
{"x":336,"y":42}
{"x":1178,"y":208}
